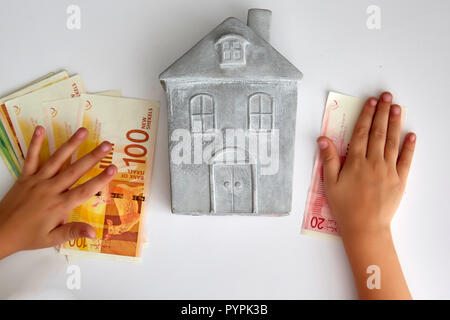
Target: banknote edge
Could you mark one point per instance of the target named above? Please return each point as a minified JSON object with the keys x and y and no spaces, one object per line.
{"x":320,"y":235}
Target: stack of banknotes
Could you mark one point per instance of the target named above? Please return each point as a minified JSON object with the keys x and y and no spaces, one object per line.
{"x":59,"y":103}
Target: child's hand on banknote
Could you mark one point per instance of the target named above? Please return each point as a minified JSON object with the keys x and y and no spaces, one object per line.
{"x":364,"y":193}
{"x":33,"y":212}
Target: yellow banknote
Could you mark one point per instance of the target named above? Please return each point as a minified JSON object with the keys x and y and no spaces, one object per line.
{"x":14,"y":151}
{"x":63,"y":116}
{"x":26,"y":111}
{"x":117,"y":211}
{"x":112,"y":93}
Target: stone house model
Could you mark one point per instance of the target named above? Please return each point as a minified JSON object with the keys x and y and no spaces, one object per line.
{"x":232,"y":80}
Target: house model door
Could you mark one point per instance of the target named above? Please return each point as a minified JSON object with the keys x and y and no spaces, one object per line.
{"x":233,"y":188}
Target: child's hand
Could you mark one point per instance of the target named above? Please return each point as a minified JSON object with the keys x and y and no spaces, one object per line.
{"x":33,"y":212}
{"x":365,"y":192}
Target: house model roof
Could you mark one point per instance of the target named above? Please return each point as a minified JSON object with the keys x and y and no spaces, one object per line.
{"x":203,"y":61}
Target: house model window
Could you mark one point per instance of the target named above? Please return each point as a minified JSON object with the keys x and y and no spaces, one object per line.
{"x":202,"y":113}
{"x":232,"y":50}
{"x":260,"y":109}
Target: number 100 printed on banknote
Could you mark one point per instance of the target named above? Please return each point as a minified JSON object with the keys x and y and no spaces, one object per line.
{"x":341,"y":113}
{"x":117,"y":211}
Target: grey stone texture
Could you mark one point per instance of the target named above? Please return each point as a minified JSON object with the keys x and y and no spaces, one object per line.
{"x":232,"y":79}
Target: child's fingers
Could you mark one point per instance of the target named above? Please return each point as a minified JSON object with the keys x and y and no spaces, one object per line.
{"x":81,"y":193}
{"x":406,"y":155}
{"x":377,"y":139}
{"x":70,"y":231}
{"x":330,"y":159}
{"x":69,"y":176}
{"x":54,"y":163}
{"x":31,"y":164}
{"x":360,"y":136}
{"x":393,"y":134}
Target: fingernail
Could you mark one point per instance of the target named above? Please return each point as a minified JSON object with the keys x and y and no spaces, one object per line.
{"x":386,"y":97}
{"x":105,"y":146}
{"x":81,"y":133}
{"x":38,"y":131}
{"x":373,"y":102}
{"x":323,"y":144}
{"x":395,"y":110}
{"x":412,"y":137}
{"x":89,"y":234}
{"x":110,"y":170}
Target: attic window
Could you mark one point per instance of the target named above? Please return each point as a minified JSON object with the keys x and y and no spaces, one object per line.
{"x":231,"y":49}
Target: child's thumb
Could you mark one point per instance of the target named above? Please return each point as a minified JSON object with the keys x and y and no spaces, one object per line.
{"x":330,"y":159}
{"x":70,"y":231}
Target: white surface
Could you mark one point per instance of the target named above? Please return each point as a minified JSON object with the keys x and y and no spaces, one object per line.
{"x":126,"y":44}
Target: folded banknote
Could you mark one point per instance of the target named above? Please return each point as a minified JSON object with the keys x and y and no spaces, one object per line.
{"x":341,"y":113}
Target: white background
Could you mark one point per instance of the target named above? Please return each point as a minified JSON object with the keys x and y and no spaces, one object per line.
{"x":126,"y":44}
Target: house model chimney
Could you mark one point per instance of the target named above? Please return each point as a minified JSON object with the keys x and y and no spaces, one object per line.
{"x":259,"y":21}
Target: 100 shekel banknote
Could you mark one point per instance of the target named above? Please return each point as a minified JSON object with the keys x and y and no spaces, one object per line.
{"x":26,"y":112}
{"x":116,"y":212}
{"x":13,"y":154}
{"x":341,"y":113}
{"x":62,"y":117}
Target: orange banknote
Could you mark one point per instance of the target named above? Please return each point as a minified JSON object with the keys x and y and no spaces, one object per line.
{"x":117,"y":211}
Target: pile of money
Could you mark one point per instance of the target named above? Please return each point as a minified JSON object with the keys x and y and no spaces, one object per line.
{"x":60,"y":104}
{"x":341,"y":113}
